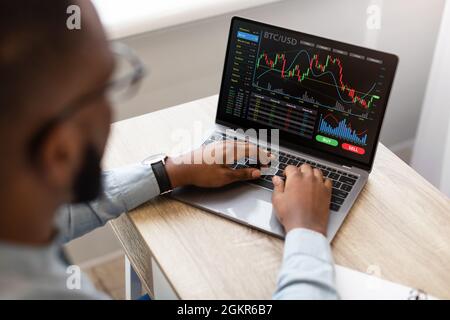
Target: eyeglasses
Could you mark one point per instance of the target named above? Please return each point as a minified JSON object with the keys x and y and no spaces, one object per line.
{"x":124,"y":84}
{"x":125,"y":81}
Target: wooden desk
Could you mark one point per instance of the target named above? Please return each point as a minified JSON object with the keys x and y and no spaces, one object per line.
{"x":400,"y":224}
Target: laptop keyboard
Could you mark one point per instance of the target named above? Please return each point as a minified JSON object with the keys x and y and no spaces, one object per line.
{"x":343,"y":182}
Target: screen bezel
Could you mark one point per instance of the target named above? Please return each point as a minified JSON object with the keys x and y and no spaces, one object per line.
{"x":306,"y":149}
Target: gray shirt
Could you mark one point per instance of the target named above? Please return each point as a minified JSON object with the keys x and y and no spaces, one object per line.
{"x":28,"y":272}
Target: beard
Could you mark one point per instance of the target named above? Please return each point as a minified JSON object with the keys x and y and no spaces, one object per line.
{"x":87,"y":184}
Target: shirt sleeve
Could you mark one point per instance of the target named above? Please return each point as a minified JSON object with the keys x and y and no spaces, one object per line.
{"x":307,"y":270}
{"x":124,"y":189}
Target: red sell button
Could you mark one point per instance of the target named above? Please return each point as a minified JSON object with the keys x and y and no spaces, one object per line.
{"x":352,"y":148}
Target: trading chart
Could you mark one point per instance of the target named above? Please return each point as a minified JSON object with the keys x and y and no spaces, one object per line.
{"x":329,"y":94}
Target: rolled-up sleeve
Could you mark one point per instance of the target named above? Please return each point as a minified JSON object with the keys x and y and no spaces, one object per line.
{"x":307,"y":271}
{"x":124,"y":189}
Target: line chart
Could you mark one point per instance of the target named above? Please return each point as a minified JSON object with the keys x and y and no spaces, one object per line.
{"x":315,"y":69}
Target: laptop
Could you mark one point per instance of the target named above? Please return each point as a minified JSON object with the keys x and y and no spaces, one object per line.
{"x":326,"y":98}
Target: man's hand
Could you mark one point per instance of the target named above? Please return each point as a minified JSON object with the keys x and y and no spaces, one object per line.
{"x":303,"y":200}
{"x":207,"y":166}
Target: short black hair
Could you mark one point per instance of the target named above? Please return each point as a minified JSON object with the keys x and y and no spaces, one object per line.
{"x":33,"y":33}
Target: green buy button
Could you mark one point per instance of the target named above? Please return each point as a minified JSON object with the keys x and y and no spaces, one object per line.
{"x":326,"y":140}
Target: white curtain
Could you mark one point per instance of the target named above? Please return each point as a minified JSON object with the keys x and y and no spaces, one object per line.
{"x":431,"y":155}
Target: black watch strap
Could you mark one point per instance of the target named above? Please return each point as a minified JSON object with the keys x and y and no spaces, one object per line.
{"x":161,"y":177}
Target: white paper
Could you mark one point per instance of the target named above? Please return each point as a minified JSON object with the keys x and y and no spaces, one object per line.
{"x":355,"y":285}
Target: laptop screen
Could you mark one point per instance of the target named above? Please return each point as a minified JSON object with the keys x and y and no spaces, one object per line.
{"x":323,"y":95}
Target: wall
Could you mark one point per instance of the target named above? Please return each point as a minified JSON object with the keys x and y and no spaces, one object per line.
{"x":186,"y":61}
{"x":445,"y":182}
{"x":431,"y":156}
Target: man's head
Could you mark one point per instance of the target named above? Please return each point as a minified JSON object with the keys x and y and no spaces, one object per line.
{"x":54,"y":113}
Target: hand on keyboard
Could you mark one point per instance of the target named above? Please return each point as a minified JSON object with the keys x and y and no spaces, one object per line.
{"x":302,"y":201}
{"x":208,"y":166}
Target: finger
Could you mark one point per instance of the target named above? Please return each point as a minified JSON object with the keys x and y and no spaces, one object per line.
{"x":239,"y":149}
{"x":278,"y":185}
{"x":251,"y":150}
{"x":264,"y":156}
{"x":318,"y":173}
{"x":328,"y":184}
{"x":290,"y":170}
{"x":306,"y":169}
{"x":244,"y":174}
{"x":233,"y":151}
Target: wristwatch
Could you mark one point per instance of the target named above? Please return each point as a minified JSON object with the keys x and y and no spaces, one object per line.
{"x":158,"y":164}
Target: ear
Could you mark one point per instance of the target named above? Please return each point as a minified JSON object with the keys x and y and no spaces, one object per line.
{"x":60,"y":158}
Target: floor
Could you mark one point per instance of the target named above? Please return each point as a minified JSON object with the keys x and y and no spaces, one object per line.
{"x":109,"y":277}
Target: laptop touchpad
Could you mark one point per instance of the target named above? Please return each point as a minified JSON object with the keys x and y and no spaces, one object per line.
{"x":242,"y":202}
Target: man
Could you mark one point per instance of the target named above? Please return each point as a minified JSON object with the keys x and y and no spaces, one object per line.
{"x":55,"y":114}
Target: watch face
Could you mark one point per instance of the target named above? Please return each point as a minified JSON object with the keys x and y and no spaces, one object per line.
{"x":154,"y":158}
